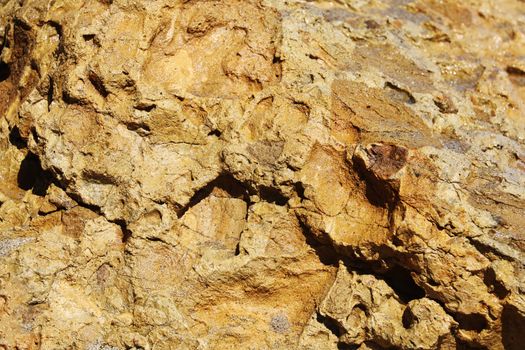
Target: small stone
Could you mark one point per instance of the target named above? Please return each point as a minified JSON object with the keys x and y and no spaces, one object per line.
{"x":280,"y":323}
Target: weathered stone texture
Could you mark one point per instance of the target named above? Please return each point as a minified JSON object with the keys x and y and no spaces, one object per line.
{"x":262,"y":174}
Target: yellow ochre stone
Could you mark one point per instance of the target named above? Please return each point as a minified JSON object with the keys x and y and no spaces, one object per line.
{"x":262,"y":174}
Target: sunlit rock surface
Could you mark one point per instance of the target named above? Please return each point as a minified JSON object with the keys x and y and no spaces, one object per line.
{"x":262,"y":174}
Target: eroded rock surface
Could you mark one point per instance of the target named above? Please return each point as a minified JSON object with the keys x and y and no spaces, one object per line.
{"x":262,"y":174}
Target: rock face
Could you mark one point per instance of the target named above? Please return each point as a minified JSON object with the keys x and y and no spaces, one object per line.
{"x":262,"y":174}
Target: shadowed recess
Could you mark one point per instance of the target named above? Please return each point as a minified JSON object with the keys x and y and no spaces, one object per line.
{"x":513,"y":328}
{"x":401,"y":281}
{"x":331,"y":325}
{"x":5,"y":71}
{"x":98,"y":84}
{"x":16,"y":139}
{"x":272,"y":195}
{"x":31,"y":176}
{"x":324,"y":251}
{"x":226,"y":182}
{"x":516,"y":76}
{"x":471,"y":322}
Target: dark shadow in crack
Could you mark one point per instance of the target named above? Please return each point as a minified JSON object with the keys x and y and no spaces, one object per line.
{"x":396,"y":276}
{"x":272,"y":195}
{"x":126,"y":233}
{"x":5,"y":71}
{"x":513,"y":327}
{"x":326,"y":253}
{"x":31,"y":176}
{"x":331,"y":324}
{"x":401,"y":281}
{"x":226,"y":182}
{"x":379,"y":193}
{"x":235,"y":189}
{"x":16,"y":139}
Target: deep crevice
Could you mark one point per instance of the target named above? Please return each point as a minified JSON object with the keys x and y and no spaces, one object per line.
{"x":324,"y":252}
{"x":495,"y":286}
{"x":237,"y":251}
{"x":5,"y":71}
{"x":225,"y":182}
{"x":277,"y":60}
{"x":408,"y":318}
{"x":235,"y":189}
{"x":46,"y":213}
{"x":344,"y":346}
{"x":50,"y":93}
{"x":487,"y":250}
{"x":516,"y":75}
{"x":379,"y":193}
{"x":145,"y":107}
{"x":396,"y":276}
{"x":151,"y":239}
{"x":34,"y":134}
{"x":401,"y":281}
{"x":16,"y":139}
{"x":21,"y":23}
{"x":215,"y":132}
{"x":331,"y":324}
{"x":272,"y":195}
{"x":98,"y":84}
{"x":138,"y":126}
{"x":88,"y":37}
{"x":299,"y":189}
{"x":70,"y":99}
{"x":471,"y":322}
{"x":126,"y":233}
{"x":31,"y":176}
{"x":94,"y":208}
{"x":513,"y":327}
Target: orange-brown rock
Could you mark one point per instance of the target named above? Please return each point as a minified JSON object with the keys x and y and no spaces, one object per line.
{"x":262,"y":174}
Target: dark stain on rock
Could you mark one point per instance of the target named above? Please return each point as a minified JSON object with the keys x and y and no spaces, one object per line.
{"x":387,"y":159}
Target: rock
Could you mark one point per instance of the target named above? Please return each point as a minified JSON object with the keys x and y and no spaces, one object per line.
{"x":367,"y":310}
{"x":262,"y":174}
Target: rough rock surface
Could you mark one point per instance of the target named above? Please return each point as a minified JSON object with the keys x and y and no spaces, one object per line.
{"x":262,"y":174}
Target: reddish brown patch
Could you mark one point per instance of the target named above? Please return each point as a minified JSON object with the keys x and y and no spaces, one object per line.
{"x":103,"y":275}
{"x":75,"y":219}
{"x":375,"y":165}
{"x":22,"y":46}
{"x":387,"y":159}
